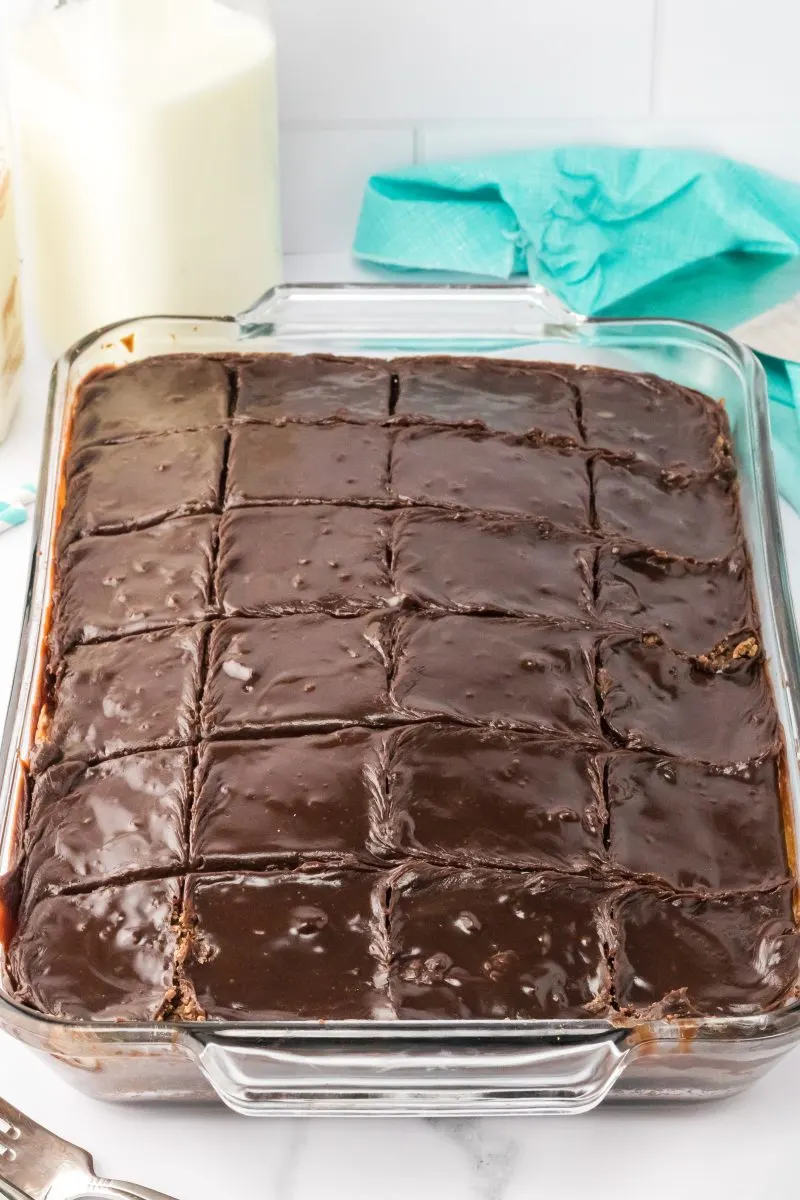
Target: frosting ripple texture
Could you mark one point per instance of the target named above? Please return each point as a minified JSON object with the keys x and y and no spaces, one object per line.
{"x":428,"y":688}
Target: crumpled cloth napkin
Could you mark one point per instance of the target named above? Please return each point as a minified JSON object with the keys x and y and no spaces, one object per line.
{"x":610,"y":231}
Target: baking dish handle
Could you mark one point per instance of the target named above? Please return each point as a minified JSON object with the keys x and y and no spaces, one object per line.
{"x":411,"y":1072}
{"x":517,"y":312}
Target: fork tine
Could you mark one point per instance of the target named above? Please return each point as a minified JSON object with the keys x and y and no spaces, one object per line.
{"x":38,"y":1165}
{"x":9,"y":1123}
{"x":23,"y":1130}
{"x":31,"y":1158}
{"x":10,"y":1115}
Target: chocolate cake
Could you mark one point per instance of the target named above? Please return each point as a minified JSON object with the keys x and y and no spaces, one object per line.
{"x":427,"y":688}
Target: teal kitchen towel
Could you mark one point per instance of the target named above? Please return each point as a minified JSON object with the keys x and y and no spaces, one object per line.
{"x":610,"y":231}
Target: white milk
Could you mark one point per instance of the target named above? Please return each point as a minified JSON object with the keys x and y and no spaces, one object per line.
{"x":11,"y":340}
{"x":147,"y":139}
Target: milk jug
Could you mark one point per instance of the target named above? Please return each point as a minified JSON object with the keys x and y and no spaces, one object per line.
{"x":146,"y":140}
{"x":11,"y":339}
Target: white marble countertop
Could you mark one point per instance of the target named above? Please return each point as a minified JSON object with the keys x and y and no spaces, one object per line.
{"x":737,"y":1150}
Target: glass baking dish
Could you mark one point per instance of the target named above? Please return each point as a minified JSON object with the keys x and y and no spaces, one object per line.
{"x":439,"y":1067}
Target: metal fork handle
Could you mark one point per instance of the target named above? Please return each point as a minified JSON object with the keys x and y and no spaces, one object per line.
{"x":115,"y":1189}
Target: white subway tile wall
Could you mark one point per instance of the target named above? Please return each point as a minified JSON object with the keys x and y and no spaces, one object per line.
{"x":727,"y":58}
{"x":370,"y":84}
{"x":323,"y":172}
{"x":417,"y":60}
{"x":772,"y":144}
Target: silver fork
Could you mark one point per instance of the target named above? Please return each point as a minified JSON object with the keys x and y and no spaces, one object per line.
{"x":41,"y":1166}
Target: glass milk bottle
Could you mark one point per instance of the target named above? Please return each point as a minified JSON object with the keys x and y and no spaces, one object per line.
{"x":11,"y":340}
{"x":146,"y":136}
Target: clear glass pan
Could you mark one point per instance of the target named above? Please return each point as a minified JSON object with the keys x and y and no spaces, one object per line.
{"x":419,"y":1067}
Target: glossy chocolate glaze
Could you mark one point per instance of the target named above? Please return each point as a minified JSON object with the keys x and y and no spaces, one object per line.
{"x":308,"y":797}
{"x":462,"y":469}
{"x":480,"y":944}
{"x":310,"y":669}
{"x":108,"y":955}
{"x":146,"y":579}
{"x":696,"y":519}
{"x":157,"y":395}
{"x":114,"y":488}
{"x":648,"y":417}
{"x":689,"y":954}
{"x":506,"y":397}
{"x":691,"y":606}
{"x":287,"y":946}
{"x":122,"y":817}
{"x":299,"y":463}
{"x":695,"y":827}
{"x":467,"y":562}
{"x":498,"y":672}
{"x":307,"y":557}
{"x":289,"y":387}
{"x":133,"y":694}
{"x":495,"y":798}
{"x":481,"y":721}
{"x":654,"y":699}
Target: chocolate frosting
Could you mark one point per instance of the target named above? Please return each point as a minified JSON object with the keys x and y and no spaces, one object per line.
{"x":107,"y":955}
{"x":479,"y":944}
{"x":455,"y":662}
{"x":502,"y":396}
{"x":696,"y":519}
{"x":686,"y":954}
{"x":499,"y":672}
{"x":304,"y":558}
{"x":123,"y":817}
{"x":114,"y":488}
{"x":492,"y":797}
{"x":468,"y":562}
{"x":133,"y":694}
{"x":157,"y":395}
{"x":287,"y":947}
{"x":648,"y":417}
{"x":654,"y":699}
{"x":691,"y":606}
{"x":309,"y":797}
{"x":737,"y":839}
{"x":299,"y":387}
{"x":146,"y":579}
{"x":298,"y":463}
{"x":270,"y":672}
{"x":462,"y":469}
